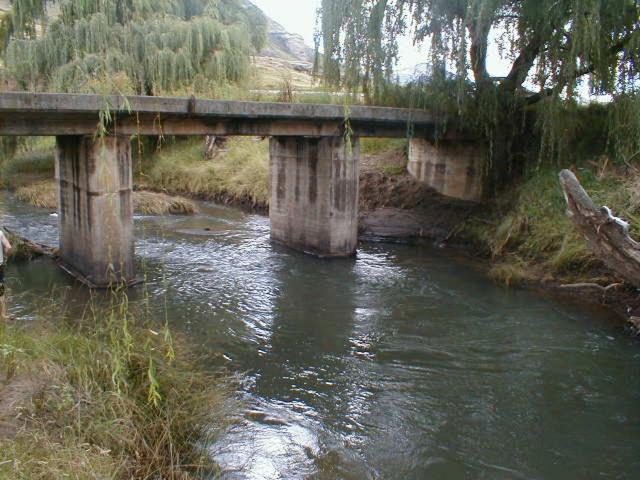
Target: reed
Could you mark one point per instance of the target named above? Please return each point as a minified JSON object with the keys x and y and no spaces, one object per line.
{"x":110,"y":395}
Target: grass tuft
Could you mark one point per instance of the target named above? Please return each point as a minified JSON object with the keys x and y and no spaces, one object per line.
{"x":510,"y":273}
{"x":41,"y":194}
{"x":152,"y":203}
{"x":110,"y":397}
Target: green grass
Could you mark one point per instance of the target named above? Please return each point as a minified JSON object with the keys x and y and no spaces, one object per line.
{"x":529,"y":227}
{"x":34,"y":161}
{"x":44,"y":194}
{"x":242,"y":172}
{"x":376,"y":146}
{"x":109,"y":396}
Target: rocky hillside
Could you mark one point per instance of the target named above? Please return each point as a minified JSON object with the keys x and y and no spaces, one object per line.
{"x":285,"y":59}
{"x":287,"y":46}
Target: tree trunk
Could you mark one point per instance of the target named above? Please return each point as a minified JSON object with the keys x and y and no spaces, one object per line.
{"x":606,"y":235}
{"x":210,"y":146}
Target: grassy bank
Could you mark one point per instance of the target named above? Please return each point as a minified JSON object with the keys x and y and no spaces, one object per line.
{"x":105,"y":397}
{"x":238,"y":173}
{"x":33,"y":162}
{"x":43,"y":194}
{"x":529,"y":237}
{"x":30,"y":174}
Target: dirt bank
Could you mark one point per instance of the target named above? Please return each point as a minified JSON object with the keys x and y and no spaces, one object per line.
{"x":523,"y":238}
{"x":398,"y":208}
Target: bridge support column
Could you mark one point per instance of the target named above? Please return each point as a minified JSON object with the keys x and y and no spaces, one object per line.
{"x":95,"y":208}
{"x":314,"y":194}
{"x":453,"y":168}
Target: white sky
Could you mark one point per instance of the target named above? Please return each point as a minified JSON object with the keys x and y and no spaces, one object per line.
{"x":296,"y":16}
{"x":299,"y":16}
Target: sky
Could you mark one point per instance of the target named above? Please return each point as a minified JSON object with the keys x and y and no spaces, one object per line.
{"x":299,"y":16}
{"x":296,"y":16}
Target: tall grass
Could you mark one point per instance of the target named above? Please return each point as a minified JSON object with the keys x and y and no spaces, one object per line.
{"x":529,"y":229}
{"x":109,"y":396}
{"x":377,"y":146}
{"x":44,"y":195}
{"x":241,"y":172}
{"x":34,"y":161}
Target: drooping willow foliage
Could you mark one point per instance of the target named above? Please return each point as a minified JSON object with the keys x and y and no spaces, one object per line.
{"x":556,"y":50}
{"x":147,"y":46}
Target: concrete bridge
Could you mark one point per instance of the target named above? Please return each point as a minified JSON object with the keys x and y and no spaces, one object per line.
{"x":314,"y":150}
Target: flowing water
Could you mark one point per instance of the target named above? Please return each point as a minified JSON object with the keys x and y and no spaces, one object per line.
{"x":404,"y":363}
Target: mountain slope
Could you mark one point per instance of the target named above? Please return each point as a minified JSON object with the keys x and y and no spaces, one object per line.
{"x":285,"y":60}
{"x":285,"y":45}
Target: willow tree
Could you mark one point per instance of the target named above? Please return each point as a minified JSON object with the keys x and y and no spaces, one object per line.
{"x":555,"y":49}
{"x":145,"y":46}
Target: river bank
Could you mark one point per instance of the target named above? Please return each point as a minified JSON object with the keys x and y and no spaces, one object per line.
{"x":369,"y":366}
{"x":105,"y":395}
{"x":523,"y":236}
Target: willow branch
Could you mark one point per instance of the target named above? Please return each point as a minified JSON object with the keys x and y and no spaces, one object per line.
{"x":587,"y":70}
{"x":523,"y":63}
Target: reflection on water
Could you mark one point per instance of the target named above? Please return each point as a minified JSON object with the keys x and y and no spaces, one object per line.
{"x":402,"y":363}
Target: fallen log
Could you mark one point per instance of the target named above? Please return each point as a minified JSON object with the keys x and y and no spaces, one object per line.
{"x":25,"y":249}
{"x":607,"y":236}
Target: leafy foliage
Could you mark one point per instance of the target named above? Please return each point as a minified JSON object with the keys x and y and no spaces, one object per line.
{"x":555,"y":48}
{"x":151,"y":46}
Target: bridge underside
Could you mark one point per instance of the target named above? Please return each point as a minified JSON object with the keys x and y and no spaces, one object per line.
{"x":21,"y":124}
{"x":314,"y":201}
{"x":314,"y":170}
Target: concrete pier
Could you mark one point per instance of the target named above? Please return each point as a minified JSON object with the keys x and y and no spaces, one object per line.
{"x":314,"y":194}
{"x":453,"y":168}
{"x":314,"y":173}
{"x":96,"y":208}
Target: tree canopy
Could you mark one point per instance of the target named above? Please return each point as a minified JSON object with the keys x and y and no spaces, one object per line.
{"x":555,"y":49}
{"x":151,"y":46}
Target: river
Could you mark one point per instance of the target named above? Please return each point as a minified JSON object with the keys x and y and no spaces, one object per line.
{"x":403,"y":363}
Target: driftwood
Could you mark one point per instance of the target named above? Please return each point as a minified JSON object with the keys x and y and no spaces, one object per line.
{"x":213,"y":145}
{"x":23,"y":248}
{"x":593,"y":286}
{"x":607,"y":236}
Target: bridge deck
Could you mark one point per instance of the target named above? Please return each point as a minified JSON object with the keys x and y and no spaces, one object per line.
{"x":66,"y":114}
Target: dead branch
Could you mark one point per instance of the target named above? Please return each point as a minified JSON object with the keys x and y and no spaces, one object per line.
{"x":25,"y":248}
{"x":607,"y":236}
{"x":595,"y":286}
